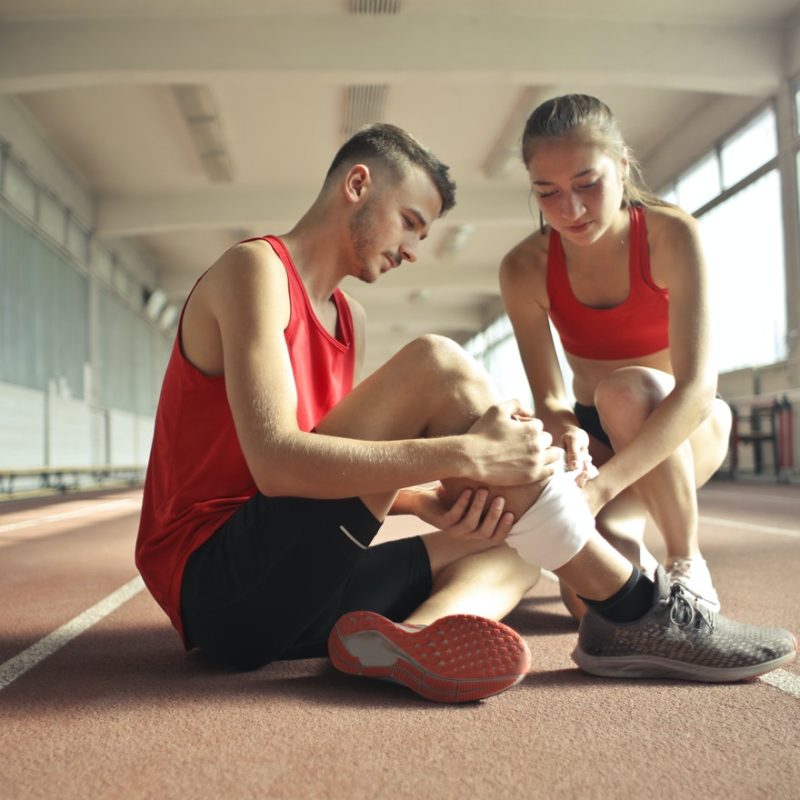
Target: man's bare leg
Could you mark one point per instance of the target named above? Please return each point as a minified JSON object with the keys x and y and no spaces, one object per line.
{"x":489,"y":582}
{"x":432,"y":388}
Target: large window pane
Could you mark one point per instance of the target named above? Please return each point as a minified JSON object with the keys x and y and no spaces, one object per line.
{"x":20,"y":188}
{"x":749,"y":148}
{"x":51,"y":217}
{"x":797,"y":108}
{"x":747,"y":285}
{"x":700,"y":184}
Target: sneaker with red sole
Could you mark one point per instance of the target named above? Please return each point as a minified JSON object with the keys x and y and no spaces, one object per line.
{"x":455,"y":659}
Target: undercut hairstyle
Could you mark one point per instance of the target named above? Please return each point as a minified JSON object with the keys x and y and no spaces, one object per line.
{"x":396,"y":150}
{"x":585,"y":119}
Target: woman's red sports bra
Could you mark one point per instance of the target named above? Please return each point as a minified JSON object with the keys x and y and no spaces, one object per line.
{"x":636,"y":327}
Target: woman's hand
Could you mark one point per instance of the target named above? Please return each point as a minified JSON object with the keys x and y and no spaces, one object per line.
{"x":472,"y":516}
{"x":576,"y":450}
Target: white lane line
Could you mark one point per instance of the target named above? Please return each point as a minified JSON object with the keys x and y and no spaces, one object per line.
{"x":749,"y":526}
{"x":27,"y":659}
{"x":78,"y":512}
{"x":707,"y":493}
{"x":785,"y":681}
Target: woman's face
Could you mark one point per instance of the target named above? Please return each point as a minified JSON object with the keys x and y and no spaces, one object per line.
{"x":578,"y":187}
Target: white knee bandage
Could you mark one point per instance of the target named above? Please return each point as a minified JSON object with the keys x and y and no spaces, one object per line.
{"x":556,"y":527}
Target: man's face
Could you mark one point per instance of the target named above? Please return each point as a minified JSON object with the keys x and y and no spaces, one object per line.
{"x":394,"y":218}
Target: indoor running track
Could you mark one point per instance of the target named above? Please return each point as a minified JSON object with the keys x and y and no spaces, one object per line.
{"x":98,"y":699}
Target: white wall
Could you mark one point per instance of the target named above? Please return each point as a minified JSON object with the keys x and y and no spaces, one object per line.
{"x":23,"y":429}
{"x":41,"y":431}
{"x":70,"y":433}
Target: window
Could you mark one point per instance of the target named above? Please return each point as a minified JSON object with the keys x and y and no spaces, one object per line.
{"x":496,"y":348}
{"x":749,"y":148}
{"x":797,"y":108}
{"x":700,"y":184}
{"x":746,"y":275}
{"x":102,"y":261}
{"x":78,"y":240}
{"x":669,"y":195}
{"x":52,"y":216}
{"x":19,"y":188}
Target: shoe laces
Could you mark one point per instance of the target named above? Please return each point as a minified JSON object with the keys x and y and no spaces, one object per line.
{"x":685,"y":611}
{"x":683,"y":567}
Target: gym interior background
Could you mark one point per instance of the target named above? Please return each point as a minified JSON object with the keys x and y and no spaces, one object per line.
{"x":137,"y":143}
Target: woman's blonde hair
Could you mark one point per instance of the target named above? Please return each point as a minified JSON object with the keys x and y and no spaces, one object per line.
{"x":586,"y":119}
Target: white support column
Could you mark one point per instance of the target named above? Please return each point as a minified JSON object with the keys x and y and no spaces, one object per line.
{"x":788,"y":140}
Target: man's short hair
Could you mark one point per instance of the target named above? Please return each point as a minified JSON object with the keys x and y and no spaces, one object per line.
{"x":397,"y":150}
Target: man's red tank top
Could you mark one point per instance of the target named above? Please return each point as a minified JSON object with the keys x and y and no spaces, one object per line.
{"x":636,"y":327}
{"x":197,"y":476}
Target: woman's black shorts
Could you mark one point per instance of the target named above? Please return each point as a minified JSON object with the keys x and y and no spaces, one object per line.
{"x":589,"y":420}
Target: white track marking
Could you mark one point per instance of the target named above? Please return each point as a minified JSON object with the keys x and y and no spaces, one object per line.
{"x":709,"y":494}
{"x":38,"y":652}
{"x":127,"y":504}
{"x":749,"y":526}
{"x":787,"y":682}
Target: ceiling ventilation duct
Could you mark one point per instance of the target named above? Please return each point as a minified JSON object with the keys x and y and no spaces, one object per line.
{"x":363,"y":104}
{"x":374,"y":6}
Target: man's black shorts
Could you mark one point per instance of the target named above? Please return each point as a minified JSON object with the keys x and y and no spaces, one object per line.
{"x":272,"y":581}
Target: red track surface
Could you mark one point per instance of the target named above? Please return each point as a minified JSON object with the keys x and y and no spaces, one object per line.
{"x":121,"y":711}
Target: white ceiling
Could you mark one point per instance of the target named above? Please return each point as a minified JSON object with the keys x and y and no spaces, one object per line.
{"x":98,"y":77}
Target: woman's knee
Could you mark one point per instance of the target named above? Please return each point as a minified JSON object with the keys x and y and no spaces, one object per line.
{"x":626,"y":398}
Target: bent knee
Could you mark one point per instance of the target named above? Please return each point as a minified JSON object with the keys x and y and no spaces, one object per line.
{"x":721,"y":420}
{"x":439,"y":360}
{"x":434,"y":348}
{"x":627,"y":397}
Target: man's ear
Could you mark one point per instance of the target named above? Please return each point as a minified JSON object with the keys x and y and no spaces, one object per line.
{"x":357,"y":182}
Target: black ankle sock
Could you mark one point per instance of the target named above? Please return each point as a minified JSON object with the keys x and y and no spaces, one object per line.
{"x":631,"y":602}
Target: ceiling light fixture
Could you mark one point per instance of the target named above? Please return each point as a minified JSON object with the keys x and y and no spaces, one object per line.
{"x":455,"y":240}
{"x":363,"y":104}
{"x":374,"y":6}
{"x":199,"y":111}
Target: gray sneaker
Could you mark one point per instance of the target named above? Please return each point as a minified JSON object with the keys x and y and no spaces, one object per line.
{"x":680,"y":638}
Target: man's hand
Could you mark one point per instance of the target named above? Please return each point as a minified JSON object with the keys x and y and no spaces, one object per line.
{"x":513,"y":448}
{"x":468,"y":518}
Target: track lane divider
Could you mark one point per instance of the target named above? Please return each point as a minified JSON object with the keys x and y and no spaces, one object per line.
{"x":38,"y":652}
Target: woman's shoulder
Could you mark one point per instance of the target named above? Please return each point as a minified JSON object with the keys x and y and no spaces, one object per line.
{"x":665,"y":223}
{"x":527,"y":259}
{"x":674,"y":239}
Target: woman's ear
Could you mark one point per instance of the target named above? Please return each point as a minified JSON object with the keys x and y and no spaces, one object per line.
{"x":625,"y":166}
